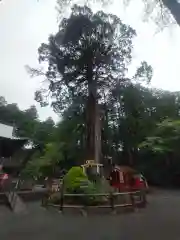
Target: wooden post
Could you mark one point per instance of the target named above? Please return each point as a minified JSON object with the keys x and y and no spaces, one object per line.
{"x":61,"y":197}
{"x":111,"y":198}
{"x":143,"y":198}
{"x":85,"y":206}
{"x":132,"y":200}
{"x":44,"y":201}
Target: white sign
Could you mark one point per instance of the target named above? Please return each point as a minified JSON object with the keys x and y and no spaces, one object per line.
{"x":6,"y":131}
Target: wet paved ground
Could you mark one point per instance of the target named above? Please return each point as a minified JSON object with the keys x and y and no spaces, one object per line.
{"x":160,"y":221}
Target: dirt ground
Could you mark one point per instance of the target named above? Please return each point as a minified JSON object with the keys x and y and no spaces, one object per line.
{"x":160,"y":220}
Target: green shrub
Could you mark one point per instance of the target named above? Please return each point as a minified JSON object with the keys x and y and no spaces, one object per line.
{"x":75,"y":181}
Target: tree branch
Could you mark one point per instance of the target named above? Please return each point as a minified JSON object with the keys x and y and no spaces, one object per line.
{"x":174,"y":8}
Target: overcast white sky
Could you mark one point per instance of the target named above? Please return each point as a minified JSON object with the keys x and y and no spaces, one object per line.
{"x":24,"y":24}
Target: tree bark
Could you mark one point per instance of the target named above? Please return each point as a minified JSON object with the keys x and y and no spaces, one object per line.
{"x":90,"y":126}
{"x":97,"y":134}
{"x":174,"y":8}
{"x":90,"y":112}
{"x":93,"y":117}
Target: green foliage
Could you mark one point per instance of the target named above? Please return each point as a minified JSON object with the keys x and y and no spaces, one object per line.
{"x":32,"y":169}
{"x":82,"y":60}
{"x":165,"y":138}
{"x":90,"y":50}
{"x":74,"y":179}
{"x":85,"y":200}
{"x":26,"y":122}
{"x":163,"y":12}
{"x":91,"y":53}
{"x":42,"y":165}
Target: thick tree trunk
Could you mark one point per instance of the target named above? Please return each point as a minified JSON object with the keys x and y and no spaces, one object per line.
{"x":97,"y":134}
{"x":107,"y":143}
{"x":93,"y":131}
{"x":93,"y":118}
{"x":90,"y":112}
{"x":90,"y":126}
{"x":174,"y":8}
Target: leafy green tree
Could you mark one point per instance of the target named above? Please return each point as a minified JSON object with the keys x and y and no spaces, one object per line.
{"x":43,"y":132}
{"x":85,"y":59}
{"x":31,"y":113}
{"x":166,"y":137}
{"x":26,"y":122}
{"x":42,"y":165}
{"x":164,"y":12}
{"x":71,"y":133}
{"x":161,"y":151}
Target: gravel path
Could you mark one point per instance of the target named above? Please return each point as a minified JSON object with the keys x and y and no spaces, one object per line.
{"x":160,"y":221}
